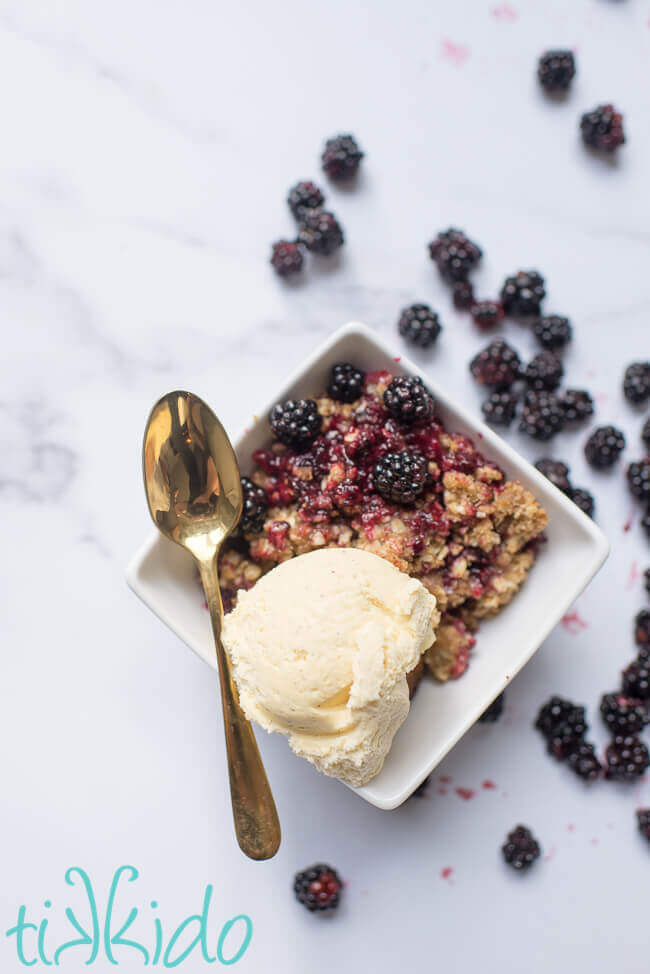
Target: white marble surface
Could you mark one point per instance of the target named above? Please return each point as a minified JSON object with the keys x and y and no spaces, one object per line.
{"x":146,"y":151}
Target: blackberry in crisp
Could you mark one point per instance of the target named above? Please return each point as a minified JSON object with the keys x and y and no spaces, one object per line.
{"x":494,"y":711}
{"x":523,"y":293}
{"x":602,"y":128}
{"x":577,"y":405}
{"x":521,"y":849}
{"x":642,"y":628}
{"x":604,"y":447}
{"x":419,"y":325}
{"x":454,"y":254}
{"x":341,"y":157}
{"x":498,"y":365}
{"x":346,"y":382}
{"x":581,"y":758}
{"x":636,"y":679}
{"x":407,"y":400}
{"x":304,"y":196}
{"x":544,"y":371}
{"x":487,"y":314}
{"x":296,"y":422}
{"x":321,"y":232}
{"x":638,"y":479}
{"x":542,"y":416}
{"x":400,"y":477}
{"x":626,"y":757}
{"x":636,"y":383}
{"x":556,"y":70}
{"x":318,"y":888}
{"x":500,"y":408}
{"x":643,"y":821}
{"x":254,"y":509}
{"x":623,"y":715}
{"x":463,"y":295}
{"x":286,"y":257}
{"x":645,"y":434}
{"x":584,"y":500}
{"x":556,"y":471}
{"x":552,"y":331}
{"x":557,"y":714}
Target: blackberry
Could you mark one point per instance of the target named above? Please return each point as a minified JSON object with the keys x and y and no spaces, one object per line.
{"x":638,"y":479}
{"x":642,"y":628}
{"x":581,"y":758}
{"x":567,"y":734}
{"x":645,"y":521}
{"x":521,"y":848}
{"x":542,"y":416}
{"x":627,"y":758}
{"x":318,"y":888}
{"x":346,"y":382}
{"x":286,"y":258}
{"x":407,"y":400}
{"x":498,"y":365}
{"x":494,"y":711}
{"x":604,"y":447}
{"x":304,"y":196}
{"x":463,"y":295}
{"x":557,"y":715}
{"x":341,"y":157}
{"x":556,"y":70}
{"x":577,"y":405}
{"x":321,"y":232}
{"x":623,"y":715}
{"x":636,"y":679}
{"x":400,"y":477}
{"x":500,"y":408}
{"x":645,"y":434}
{"x":556,"y":471}
{"x":584,"y":500}
{"x":646,"y":580}
{"x":636,"y":383}
{"x":602,"y":128}
{"x":552,"y":331}
{"x":255,"y":505}
{"x":643,"y":820}
{"x":454,"y":254}
{"x":544,"y":371}
{"x":296,"y":422}
{"x":419,"y":325}
{"x":422,"y":789}
{"x":487,"y":314}
{"x":523,"y":293}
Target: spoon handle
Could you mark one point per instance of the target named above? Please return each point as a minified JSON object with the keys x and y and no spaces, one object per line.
{"x":256,"y":819}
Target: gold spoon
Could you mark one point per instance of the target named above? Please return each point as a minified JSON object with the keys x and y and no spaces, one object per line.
{"x":194,"y":494}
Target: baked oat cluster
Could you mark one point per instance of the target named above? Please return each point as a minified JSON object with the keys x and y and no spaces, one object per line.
{"x":468,"y":534}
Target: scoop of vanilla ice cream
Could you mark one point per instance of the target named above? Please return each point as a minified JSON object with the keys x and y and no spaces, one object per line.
{"x":320,"y":649}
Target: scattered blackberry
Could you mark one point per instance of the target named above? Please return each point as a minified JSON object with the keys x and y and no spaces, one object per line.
{"x":577,"y":405}
{"x":286,"y":257}
{"x":645,"y":434}
{"x":494,"y":711}
{"x":523,"y":293}
{"x":321,"y":232}
{"x":552,"y":331}
{"x":642,"y":629}
{"x":400,"y":477}
{"x":341,"y":157}
{"x":497,"y":365}
{"x":419,"y":325}
{"x":542,"y":416}
{"x":463,"y":295}
{"x":556,"y":70}
{"x":638,"y":479}
{"x":544,"y":371}
{"x":636,"y":679}
{"x":604,"y":447}
{"x":346,"y":382}
{"x":407,"y":400}
{"x":602,"y":128}
{"x":304,"y":196}
{"x":557,"y":714}
{"x":645,"y":521}
{"x":581,"y":758}
{"x":627,"y":758}
{"x":454,"y":254}
{"x":556,"y":471}
{"x":646,"y":580}
{"x":318,"y":888}
{"x":636,"y":383}
{"x":487,"y":314}
{"x":421,"y":790}
{"x":584,"y":500}
{"x":566,"y":735}
{"x":500,"y":408}
{"x":643,"y":820}
{"x":521,"y":849}
{"x":623,"y":715}
{"x":296,"y":422}
{"x":254,"y":509}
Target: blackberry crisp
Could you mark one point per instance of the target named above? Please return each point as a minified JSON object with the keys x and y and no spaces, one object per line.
{"x":419,"y":325}
{"x":521,"y":848}
{"x":498,"y":365}
{"x":552,"y":331}
{"x":604,"y":447}
{"x":523,"y":293}
{"x":454,"y":254}
{"x":408,"y":401}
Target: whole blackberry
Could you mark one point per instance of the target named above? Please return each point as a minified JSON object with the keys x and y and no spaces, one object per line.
{"x":521,"y":849}
{"x":623,"y":715}
{"x":604,"y":447}
{"x":584,"y":500}
{"x":400,"y":477}
{"x":602,"y":128}
{"x":643,"y":820}
{"x":304,"y":196}
{"x":558,"y":714}
{"x":296,"y":422}
{"x":544,"y":371}
{"x":567,"y":734}
{"x":487,"y":314}
{"x":556,"y":70}
{"x":454,"y":254}
{"x":556,"y":471}
{"x":463,"y":295}
{"x":341,"y":157}
{"x":645,"y":521}
{"x":581,"y":758}
{"x":636,"y":679}
{"x":645,"y":434}
{"x":500,"y":408}
{"x":498,"y":365}
{"x":494,"y":711}
{"x":255,"y":505}
{"x":552,"y":331}
{"x":419,"y":325}
{"x":321,"y":232}
{"x":636,"y":383}
{"x":638,"y":479}
{"x":523,"y":293}
{"x":318,"y":888}
{"x":627,"y":758}
{"x":646,"y":580}
{"x":407,"y":400}
{"x":577,"y":405}
{"x":542,"y":416}
{"x":346,"y":382}
{"x":642,"y":629}
{"x":286,"y":257}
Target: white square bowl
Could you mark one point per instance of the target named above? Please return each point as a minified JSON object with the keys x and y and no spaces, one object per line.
{"x":163,"y":576}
